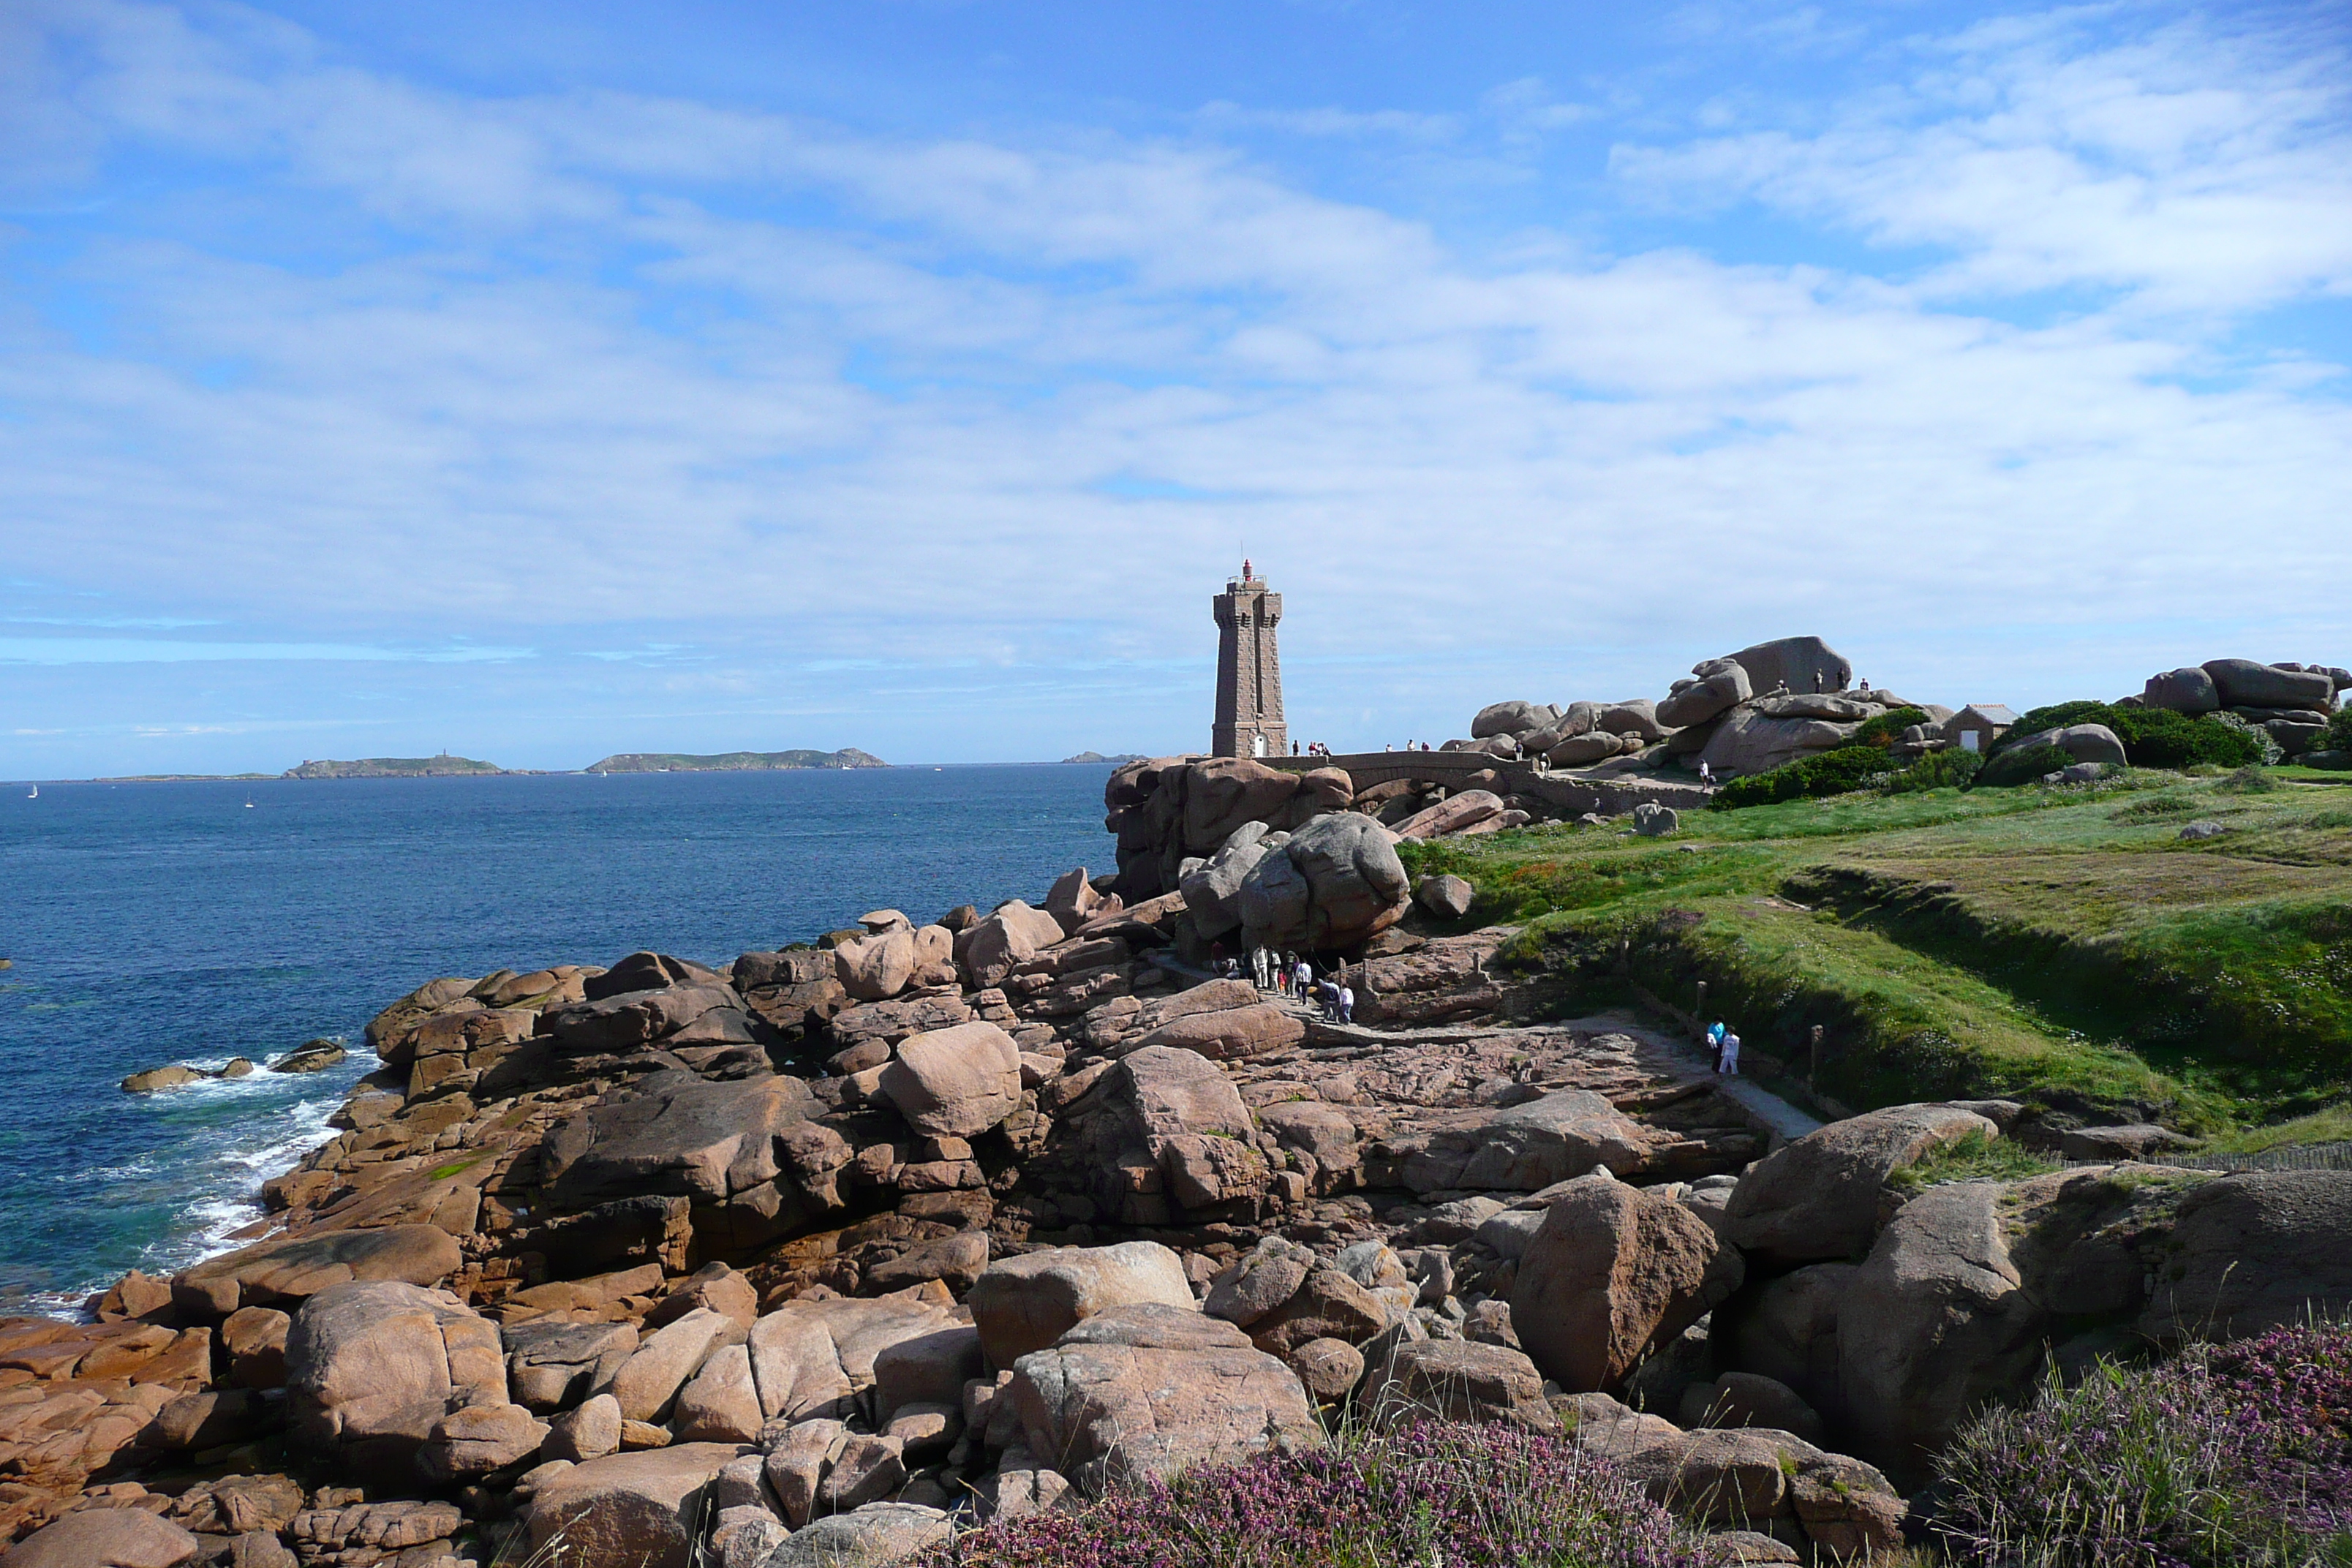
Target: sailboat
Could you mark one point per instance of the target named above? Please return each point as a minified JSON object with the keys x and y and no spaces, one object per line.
{"x":249,"y":803}
{"x":35,"y":794}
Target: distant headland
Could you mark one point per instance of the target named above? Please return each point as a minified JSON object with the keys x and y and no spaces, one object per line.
{"x":732,"y":762}
{"x":443,"y":766}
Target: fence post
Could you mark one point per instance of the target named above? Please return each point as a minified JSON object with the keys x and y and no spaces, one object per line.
{"x":1813,"y":1076}
{"x":1699,"y":1006}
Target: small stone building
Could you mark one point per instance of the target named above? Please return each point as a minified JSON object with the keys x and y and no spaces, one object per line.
{"x":1976,"y":726}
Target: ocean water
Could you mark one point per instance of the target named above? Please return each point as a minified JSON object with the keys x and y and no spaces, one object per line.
{"x":151,"y":923}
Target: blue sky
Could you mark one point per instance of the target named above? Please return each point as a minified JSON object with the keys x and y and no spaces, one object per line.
{"x":540,"y":381}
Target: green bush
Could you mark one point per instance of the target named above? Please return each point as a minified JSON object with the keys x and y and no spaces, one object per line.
{"x":2267,"y":751}
{"x":2152,"y":737}
{"x":2022,"y":765}
{"x":2340,"y":732}
{"x":1887,"y":728}
{"x":2159,"y":738}
{"x":2057,"y":716}
{"x":1825,"y":773}
{"x":1938,"y":769}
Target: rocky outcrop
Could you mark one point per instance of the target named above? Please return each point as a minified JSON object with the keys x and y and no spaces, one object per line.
{"x":1798,"y":664}
{"x":1027,"y":1303}
{"x":1526,"y":1147}
{"x":2243,"y":683}
{"x":732,"y":1262}
{"x":1146,"y":1389}
{"x":290,"y":1270}
{"x":1612,"y":1270}
{"x":1819,"y":1198}
{"x":106,"y":1538}
{"x":372,"y":1369}
{"x":2252,"y":1252}
{"x":1935,"y":1322}
{"x":736,"y":1151}
{"x":954,"y":1083}
{"x":630,"y":1507}
{"x":1011,"y":935}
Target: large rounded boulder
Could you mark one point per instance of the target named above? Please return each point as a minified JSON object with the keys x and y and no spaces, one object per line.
{"x":1336,"y":882}
{"x":1612,"y":1270}
{"x":956,"y":1082}
{"x":1803,"y":665}
{"x":1819,"y":1198}
{"x":1012,"y":935}
{"x":2242,"y":683}
{"x":2185,"y":690}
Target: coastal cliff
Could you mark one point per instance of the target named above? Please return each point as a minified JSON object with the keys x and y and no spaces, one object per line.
{"x":830,"y":1249}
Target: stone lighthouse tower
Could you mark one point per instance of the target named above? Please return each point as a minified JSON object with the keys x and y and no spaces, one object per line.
{"x":1249,"y":671}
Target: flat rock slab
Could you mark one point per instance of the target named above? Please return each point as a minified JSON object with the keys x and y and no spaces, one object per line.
{"x":1147,"y":1389}
{"x":295,"y":1268}
{"x":105,"y":1538}
{"x":638,"y":1508}
{"x":676,"y":1135}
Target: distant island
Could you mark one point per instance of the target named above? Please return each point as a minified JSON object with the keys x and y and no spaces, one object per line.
{"x":187,"y":778}
{"x":734,"y":762}
{"x":443,"y":766}
{"x":1121,"y":760}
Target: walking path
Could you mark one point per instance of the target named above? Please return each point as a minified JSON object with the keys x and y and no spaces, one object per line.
{"x":1669,"y":1049}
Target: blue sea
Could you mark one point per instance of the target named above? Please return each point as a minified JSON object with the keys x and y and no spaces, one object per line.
{"x":151,"y":924}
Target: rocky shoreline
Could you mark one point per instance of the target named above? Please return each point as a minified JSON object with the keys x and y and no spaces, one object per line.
{"x":809,"y":1255}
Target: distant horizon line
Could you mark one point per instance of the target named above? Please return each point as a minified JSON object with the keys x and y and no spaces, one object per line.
{"x":1108,"y":759}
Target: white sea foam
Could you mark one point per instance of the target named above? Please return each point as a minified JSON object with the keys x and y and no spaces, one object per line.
{"x":222,"y":1168}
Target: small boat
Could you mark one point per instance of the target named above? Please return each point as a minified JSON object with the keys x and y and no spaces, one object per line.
{"x":36,"y":795}
{"x":249,"y":803}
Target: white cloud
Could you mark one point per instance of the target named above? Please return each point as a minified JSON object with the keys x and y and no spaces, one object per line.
{"x":2201,"y":170}
{"x":656,"y":374}
{"x":1404,"y":124}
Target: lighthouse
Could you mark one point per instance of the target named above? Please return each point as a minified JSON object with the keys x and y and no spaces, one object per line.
{"x":1249,"y":671}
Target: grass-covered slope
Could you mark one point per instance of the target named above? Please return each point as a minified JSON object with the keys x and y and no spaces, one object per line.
{"x":2063,"y":945}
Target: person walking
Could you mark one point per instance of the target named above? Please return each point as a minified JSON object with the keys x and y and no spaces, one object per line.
{"x":1715,"y":1044}
{"x":1346,"y":1003}
{"x":1730,"y":1059}
{"x":1305,"y":978}
{"x":1705,"y":774}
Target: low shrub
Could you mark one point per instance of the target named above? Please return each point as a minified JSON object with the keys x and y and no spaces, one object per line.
{"x":2340,"y":732}
{"x":1938,"y":769}
{"x":2159,"y":738}
{"x":2267,"y":753}
{"x":2248,"y":781}
{"x":1824,"y":772}
{"x":1887,"y":728}
{"x":2152,"y":737}
{"x":2235,"y":1454}
{"x":1429,"y":1492}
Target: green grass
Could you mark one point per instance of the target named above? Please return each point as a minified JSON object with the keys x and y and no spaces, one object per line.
{"x":2065,"y":946}
{"x":2333,"y":1125}
{"x":1973,"y":1157}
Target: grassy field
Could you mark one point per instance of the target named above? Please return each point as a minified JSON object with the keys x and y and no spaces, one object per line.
{"x":2063,"y":945}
